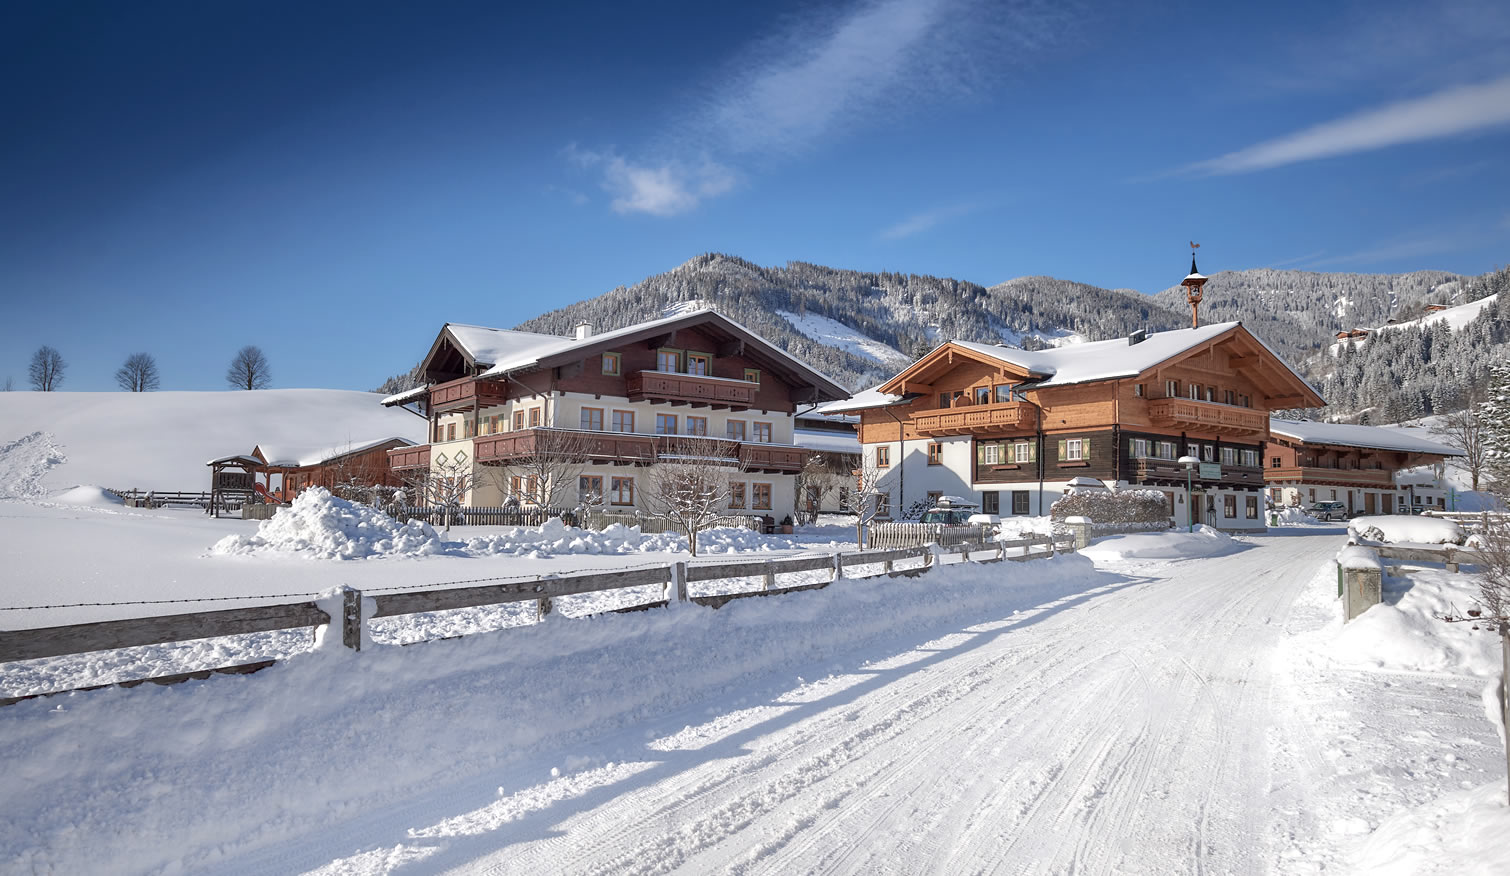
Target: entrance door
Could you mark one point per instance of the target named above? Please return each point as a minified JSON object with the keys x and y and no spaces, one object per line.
{"x":1368,"y":503}
{"x":1196,"y":501}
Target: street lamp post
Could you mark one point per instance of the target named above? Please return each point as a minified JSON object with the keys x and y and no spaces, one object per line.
{"x":1190,"y":462}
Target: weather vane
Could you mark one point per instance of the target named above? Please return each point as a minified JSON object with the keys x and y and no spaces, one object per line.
{"x":1193,"y":284}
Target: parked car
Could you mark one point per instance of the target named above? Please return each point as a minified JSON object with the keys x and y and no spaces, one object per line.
{"x":1328,"y":511}
{"x":951,"y":511}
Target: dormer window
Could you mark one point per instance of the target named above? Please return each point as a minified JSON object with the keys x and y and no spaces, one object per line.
{"x":611,"y":364}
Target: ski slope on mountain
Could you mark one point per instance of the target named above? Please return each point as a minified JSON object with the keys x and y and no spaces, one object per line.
{"x":840,"y":336}
{"x":162,"y":440}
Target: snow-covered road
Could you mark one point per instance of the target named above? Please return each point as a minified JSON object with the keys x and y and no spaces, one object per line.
{"x":1126,"y":734}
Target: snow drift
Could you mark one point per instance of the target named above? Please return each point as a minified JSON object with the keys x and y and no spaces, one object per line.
{"x":1399,"y":528}
{"x":1203,"y":542}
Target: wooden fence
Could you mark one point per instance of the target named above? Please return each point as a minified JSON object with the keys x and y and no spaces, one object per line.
{"x":163,"y":498}
{"x":1473,"y":521}
{"x":907,"y":535}
{"x":60,"y":641}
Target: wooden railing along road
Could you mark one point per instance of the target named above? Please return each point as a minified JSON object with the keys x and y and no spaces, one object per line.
{"x":32,"y":644}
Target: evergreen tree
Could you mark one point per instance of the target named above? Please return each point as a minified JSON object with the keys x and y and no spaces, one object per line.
{"x":1495,"y":415}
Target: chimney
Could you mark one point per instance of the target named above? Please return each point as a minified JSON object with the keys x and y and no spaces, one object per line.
{"x":583,"y":331}
{"x":1137,"y":337}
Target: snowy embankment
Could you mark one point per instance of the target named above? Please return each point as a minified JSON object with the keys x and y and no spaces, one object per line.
{"x":217,"y":771}
{"x":320,"y":526}
{"x":1405,"y":709}
{"x":1175,"y":545}
{"x":1295,"y":516}
{"x":1403,"y":529}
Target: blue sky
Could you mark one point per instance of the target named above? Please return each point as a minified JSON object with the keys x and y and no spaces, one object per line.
{"x":334,"y":181}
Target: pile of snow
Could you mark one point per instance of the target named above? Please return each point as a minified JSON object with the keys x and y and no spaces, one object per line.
{"x":319,"y":525}
{"x":1402,"y":528}
{"x":1203,"y":542}
{"x":89,"y":495}
{"x":1020,"y":527}
{"x":1356,"y":558}
{"x":1464,"y":832}
{"x":25,"y":461}
{"x":1403,"y":631}
{"x":1294,"y":515}
{"x":322,"y":526}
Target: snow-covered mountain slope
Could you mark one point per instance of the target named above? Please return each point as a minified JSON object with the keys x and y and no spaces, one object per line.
{"x":50,"y":441}
{"x":840,"y":336}
{"x":1455,"y":317}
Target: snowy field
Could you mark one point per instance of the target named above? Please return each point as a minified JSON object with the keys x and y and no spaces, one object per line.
{"x":1115,"y":713}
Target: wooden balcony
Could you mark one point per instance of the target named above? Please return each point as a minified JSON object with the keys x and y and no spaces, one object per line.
{"x":690,"y":389}
{"x":463,"y":394}
{"x":407,"y":458}
{"x":976,"y":419}
{"x":616,"y":448}
{"x":1203,"y":416}
{"x":1382,"y":478}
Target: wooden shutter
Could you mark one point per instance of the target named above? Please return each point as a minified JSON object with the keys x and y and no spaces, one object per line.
{"x":1063,"y":449}
{"x":1085,"y":448}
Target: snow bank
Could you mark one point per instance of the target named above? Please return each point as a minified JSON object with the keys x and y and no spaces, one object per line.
{"x":319,"y":525}
{"x":1203,"y":542}
{"x":1403,"y":632}
{"x":1293,"y":515}
{"x":25,"y":461}
{"x":89,"y":495}
{"x":1397,"y":528}
{"x":1464,"y":832}
{"x":270,"y":772}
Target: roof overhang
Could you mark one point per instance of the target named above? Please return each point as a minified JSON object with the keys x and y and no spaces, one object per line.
{"x":919,"y":376}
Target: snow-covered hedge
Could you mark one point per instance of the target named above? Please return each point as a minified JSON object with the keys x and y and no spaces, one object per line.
{"x":1114,"y":506}
{"x":1397,"y":528}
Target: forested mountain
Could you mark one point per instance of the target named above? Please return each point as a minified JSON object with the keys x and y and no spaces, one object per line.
{"x":860,"y":327}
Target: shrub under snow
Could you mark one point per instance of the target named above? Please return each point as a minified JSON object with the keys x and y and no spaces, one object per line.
{"x":1113,"y":506}
{"x":1397,"y":528}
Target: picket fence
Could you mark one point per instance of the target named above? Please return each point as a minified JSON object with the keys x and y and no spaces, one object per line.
{"x":33,"y":644}
{"x":908,"y":535}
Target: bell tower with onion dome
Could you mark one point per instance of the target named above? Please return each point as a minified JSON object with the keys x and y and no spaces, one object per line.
{"x":1193,"y":284}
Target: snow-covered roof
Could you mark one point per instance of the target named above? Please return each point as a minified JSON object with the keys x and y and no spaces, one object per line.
{"x":1101,"y":360}
{"x":294,"y":456}
{"x":865,"y":398}
{"x":489,"y":346}
{"x":826,"y":440}
{"x":810,"y":412}
{"x":407,"y":395}
{"x":1371,"y":437}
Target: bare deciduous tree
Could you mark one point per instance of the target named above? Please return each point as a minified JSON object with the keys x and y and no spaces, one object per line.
{"x":46,"y":369}
{"x":139,"y":374}
{"x":1465,"y":430}
{"x":693,"y":490}
{"x":821,"y":475}
{"x":8,"y":386}
{"x":448,"y":484}
{"x":550,"y":470}
{"x":249,"y":369}
{"x":861,"y":499}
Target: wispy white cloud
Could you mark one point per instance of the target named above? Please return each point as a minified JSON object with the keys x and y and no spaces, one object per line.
{"x":1402,"y":249}
{"x":824,"y":74}
{"x":1308,"y":257}
{"x":920,"y":222}
{"x":1453,"y":111}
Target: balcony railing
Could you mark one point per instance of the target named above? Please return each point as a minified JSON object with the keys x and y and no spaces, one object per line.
{"x":406,"y":458}
{"x":466,"y":392}
{"x":1316,"y":474}
{"x":1155,"y":469}
{"x":1207,"y":416}
{"x":624,"y":448}
{"x":690,"y":389}
{"x":972,"y":419}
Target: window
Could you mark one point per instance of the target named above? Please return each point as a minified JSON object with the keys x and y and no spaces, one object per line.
{"x":736,"y":494}
{"x":1208,"y":453}
{"x":1003,"y":393}
{"x":611,"y":363}
{"x":518,"y":420}
{"x":990,"y":453}
{"x":935,"y":454}
{"x":1229,"y":397}
{"x":883,"y":456}
{"x":1139,"y":447}
{"x":697,"y":363}
{"x":1250,"y":458}
{"x":589,"y":489}
{"x":1072,"y":450}
{"x":734,"y":430}
{"x":1138,"y":391}
{"x":990,"y":502}
{"x":1313,"y":494}
{"x":752,"y":375}
{"x":450,"y":431}
{"x":516,"y":486}
{"x":532,"y":485}
{"x":944,"y":398}
{"x":883,"y":504}
{"x":592,"y":419}
{"x":623,"y":421}
{"x":1334,"y":494}
{"x":1274,"y":462}
{"x":622,"y":492}
{"x":668,"y":360}
{"x":665,"y":424}
{"x":466,"y":429}
{"x":1019,"y":501}
{"x":1166,"y":450}
{"x":760,"y":497}
{"x":1194,"y":391}
{"x":1211,"y":393}
{"x":1229,"y":456}
{"x":697,"y":425}
{"x":1022,"y":451}
{"x":535,"y":414}
{"x":1250,"y":511}
{"x":762,"y":432}
{"x":1229,"y":505}
{"x":1171,"y":389}
{"x":983,"y":395}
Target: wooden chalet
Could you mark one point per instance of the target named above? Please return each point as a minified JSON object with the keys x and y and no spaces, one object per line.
{"x":1361,"y":466}
{"x":696,"y":383}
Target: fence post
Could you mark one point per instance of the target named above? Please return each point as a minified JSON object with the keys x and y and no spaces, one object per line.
{"x":769,"y":582}
{"x":1080,"y":527}
{"x":886,"y":566}
{"x":351,"y":619}
{"x":838,"y":566}
{"x":1451,"y":563}
{"x":679,"y":578}
{"x":543,"y":607}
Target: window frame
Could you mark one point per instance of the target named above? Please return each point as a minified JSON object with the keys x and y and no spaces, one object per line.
{"x":617,"y":421}
{"x":729,"y":430}
{"x":706,"y":359}
{"x":770,"y":431}
{"x":618,"y":364}
{"x":586,"y":421}
{"x":701,"y":430}
{"x":617,"y":490}
{"x":661,"y":420}
{"x":582,"y":494}
{"x":1074,"y":450}
{"x":756,"y":503}
{"x":935,"y":453}
{"x":883,"y":456}
{"x":537,"y":416}
{"x":752,"y":375}
{"x":1024,"y":498}
{"x":737,"y":494}
{"x":678,"y":355}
